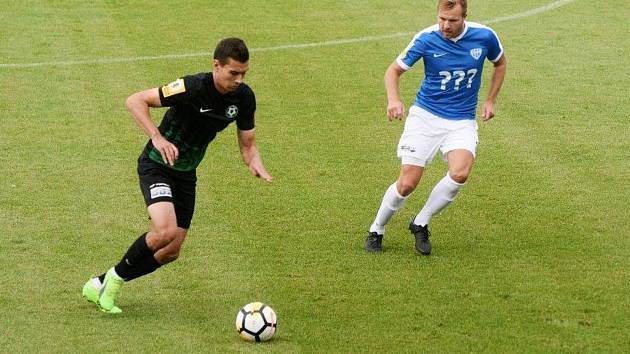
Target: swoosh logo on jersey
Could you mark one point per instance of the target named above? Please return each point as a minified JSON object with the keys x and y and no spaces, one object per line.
{"x":201,"y":110}
{"x":436,"y":55}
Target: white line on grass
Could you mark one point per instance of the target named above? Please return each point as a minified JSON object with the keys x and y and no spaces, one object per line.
{"x":531,"y":12}
{"x":527,"y":13}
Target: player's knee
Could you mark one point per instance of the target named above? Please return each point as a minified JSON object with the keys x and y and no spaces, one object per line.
{"x":163,"y":236}
{"x":459,"y":176}
{"x":406,"y":187}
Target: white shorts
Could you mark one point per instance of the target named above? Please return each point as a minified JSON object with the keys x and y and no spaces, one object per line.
{"x":425,"y":134}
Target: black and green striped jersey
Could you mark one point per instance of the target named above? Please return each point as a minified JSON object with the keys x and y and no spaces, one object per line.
{"x":197,"y":113}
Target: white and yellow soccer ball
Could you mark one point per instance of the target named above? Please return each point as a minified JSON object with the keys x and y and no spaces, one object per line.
{"x":256,"y":322}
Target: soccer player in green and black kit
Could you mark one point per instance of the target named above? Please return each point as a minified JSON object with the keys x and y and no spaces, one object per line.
{"x":201,"y":105}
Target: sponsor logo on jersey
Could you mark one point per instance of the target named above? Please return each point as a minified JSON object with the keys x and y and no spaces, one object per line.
{"x":174,"y":88}
{"x":476,"y":53}
{"x":160,"y":190}
{"x":231,"y":111}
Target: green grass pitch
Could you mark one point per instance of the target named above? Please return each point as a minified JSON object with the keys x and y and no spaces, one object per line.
{"x":531,"y":258}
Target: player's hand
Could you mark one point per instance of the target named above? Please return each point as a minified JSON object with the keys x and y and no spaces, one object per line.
{"x":260,"y":172}
{"x":169,"y":152}
{"x":487,"y":111}
{"x":395,"y":110}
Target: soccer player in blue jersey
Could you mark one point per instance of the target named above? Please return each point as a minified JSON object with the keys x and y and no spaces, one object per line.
{"x":442,"y":117}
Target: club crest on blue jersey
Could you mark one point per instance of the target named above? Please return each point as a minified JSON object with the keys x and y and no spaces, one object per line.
{"x":476,"y":53}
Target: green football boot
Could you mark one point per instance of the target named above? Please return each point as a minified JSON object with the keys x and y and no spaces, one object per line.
{"x":91,"y":291}
{"x":108,"y":292}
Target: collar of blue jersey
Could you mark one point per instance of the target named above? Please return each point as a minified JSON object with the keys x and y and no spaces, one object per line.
{"x":461,"y":34}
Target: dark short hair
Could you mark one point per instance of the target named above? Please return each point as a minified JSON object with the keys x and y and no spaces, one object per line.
{"x":449,"y":4}
{"x":233,"y":48}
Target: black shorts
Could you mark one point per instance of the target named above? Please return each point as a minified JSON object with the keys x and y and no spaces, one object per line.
{"x":162,"y":184}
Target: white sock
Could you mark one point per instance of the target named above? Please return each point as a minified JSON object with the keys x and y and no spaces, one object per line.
{"x":441,"y":196}
{"x":392,"y":201}
{"x":96,"y":282}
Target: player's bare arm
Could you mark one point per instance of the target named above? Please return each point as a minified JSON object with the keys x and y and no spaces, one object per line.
{"x":138,"y":105}
{"x":500,"y":67}
{"x":395,"y":107}
{"x":250,"y":155}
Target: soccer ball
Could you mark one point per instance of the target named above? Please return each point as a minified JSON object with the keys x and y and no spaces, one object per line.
{"x":256,"y":322}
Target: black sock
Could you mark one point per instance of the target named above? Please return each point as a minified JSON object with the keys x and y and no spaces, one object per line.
{"x":137,"y":254}
{"x":144,"y":267}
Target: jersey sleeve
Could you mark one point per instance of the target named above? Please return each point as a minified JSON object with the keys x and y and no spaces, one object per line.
{"x":411,"y":54}
{"x":246,"y":120}
{"x":179,"y":91}
{"x":495,"y":49}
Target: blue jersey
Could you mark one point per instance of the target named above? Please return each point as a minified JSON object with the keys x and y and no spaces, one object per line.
{"x":452,"y":68}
